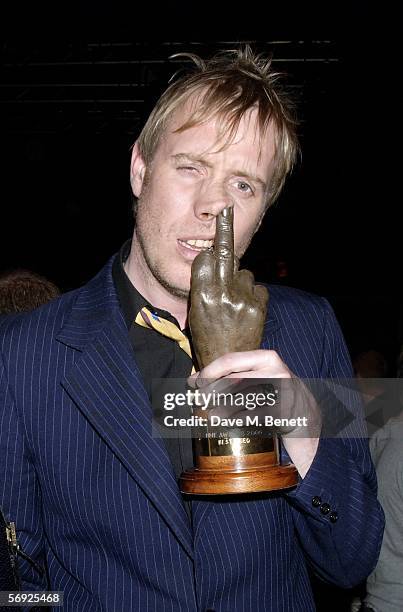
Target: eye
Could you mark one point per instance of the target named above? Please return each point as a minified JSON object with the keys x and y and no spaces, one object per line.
{"x":187,"y":168}
{"x":244,"y":187}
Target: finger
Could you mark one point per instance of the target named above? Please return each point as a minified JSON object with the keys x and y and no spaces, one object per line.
{"x":262,"y":295}
{"x":198,"y":381}
{"x":246,"y":279}
{"x":241,"y":399}
{"x":224,"y":245}
{"x":202,"y":270}
{"x":258,"y":363}
{"x":191,"y":381}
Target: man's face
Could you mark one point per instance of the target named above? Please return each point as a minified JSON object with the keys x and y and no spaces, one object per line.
{"x":189,"y":182}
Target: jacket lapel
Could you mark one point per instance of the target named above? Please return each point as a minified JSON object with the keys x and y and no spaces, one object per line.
{"x":106,"y":385}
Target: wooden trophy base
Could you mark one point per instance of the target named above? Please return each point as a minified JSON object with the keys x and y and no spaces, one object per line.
{"x":251,"y":480}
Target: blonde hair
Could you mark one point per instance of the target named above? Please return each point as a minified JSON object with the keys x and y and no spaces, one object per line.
{"x":226,"y":87}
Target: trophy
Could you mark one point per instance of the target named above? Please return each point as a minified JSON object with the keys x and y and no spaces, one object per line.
{"x":227,"y":314}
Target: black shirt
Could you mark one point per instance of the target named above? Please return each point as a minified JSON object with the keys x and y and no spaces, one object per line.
{"x":156,"y":355}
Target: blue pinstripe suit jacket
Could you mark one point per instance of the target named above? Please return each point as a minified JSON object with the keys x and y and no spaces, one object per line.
{"x":94,"y":494}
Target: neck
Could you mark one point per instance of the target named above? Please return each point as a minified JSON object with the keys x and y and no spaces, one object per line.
{"x":139,"y":274}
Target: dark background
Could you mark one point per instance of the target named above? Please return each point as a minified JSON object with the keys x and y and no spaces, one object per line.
{"x":78,"y":80}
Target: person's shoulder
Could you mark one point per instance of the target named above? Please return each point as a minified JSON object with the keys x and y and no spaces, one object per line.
{"x":282,"y":298}
{"x":390,"y":434}
{"x":286,"y":294}
{"x":47,"y":316}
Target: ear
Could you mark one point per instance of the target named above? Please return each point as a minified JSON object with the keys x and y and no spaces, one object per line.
{"x":137,"y":171}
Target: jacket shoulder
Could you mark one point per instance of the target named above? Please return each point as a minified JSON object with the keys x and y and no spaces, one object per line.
{"x":288,"y":299}
{"x":49,"y":316}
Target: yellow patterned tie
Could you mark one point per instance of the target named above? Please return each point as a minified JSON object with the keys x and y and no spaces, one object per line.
{"x":148,"y":319}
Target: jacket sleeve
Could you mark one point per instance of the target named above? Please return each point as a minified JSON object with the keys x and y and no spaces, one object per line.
{"x":20,"y":498}
{"x":335,"y":509}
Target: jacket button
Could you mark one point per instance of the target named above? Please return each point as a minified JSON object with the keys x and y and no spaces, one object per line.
{"x":325,"y":508}
{"x":316,"y":501}
{"x":333,"y":516}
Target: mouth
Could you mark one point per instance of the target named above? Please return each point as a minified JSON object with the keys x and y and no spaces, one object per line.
{"x":196,"y":245}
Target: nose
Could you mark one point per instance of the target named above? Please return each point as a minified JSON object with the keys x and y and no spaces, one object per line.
{"x":211,"y":200}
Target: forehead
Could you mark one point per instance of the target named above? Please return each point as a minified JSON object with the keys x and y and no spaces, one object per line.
{"x":213,"y":138}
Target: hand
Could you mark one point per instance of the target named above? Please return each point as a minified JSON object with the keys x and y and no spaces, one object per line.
{"x":245,"y":375}
{"x":296,"y":400}
{"x":227,"y":310}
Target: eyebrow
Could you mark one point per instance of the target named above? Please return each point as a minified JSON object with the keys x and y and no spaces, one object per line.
{"x":183,"y":157}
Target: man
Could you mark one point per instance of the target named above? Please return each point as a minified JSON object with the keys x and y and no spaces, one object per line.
{"x":92,"y":492}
